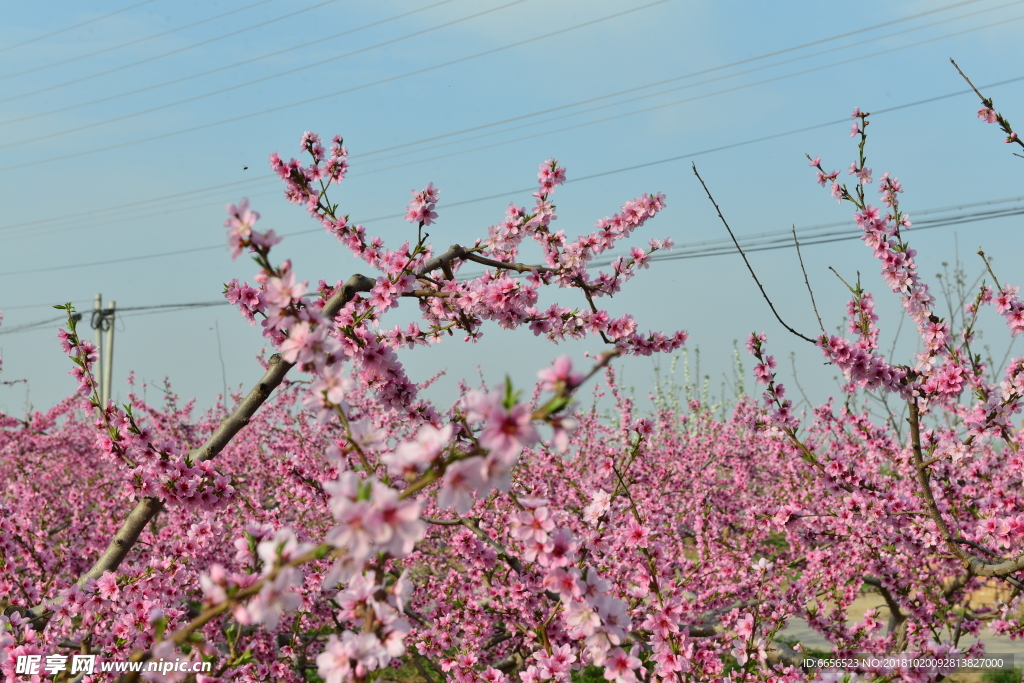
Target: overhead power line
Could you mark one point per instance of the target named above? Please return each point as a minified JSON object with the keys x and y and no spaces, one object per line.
{"x":768,"y":241}
{"x":24,"y":306}
{"x":236,"y":86}
{"x":70,"y":28}
{"x":309,"y":43}
{"x":131,"y":205}
{"x":159,"y":56}
{"x":134,"y":310}
{"x":571,"y":180}
{"x":28,"y":327}
{"x":268,"y":183}
{"x":151,"y":201}
{"x":684,"y":76}
{"x":139,"y":40}
{"x":714,"y":249}
{"x":692,"y":85}
{"x":1002,"y":22}
{"x":175,"y":81}
{"x":341,"y":92}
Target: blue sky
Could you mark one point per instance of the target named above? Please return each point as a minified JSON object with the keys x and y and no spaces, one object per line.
{"x":123,"y":137}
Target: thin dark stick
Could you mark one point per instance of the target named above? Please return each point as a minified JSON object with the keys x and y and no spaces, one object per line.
{"x":792,"y":360}
{"x":740,"y":249}
{"x":988,"y":267}
{"x":981,"y":97}
{"x":806,"y":281}
{"x":836,"y":273}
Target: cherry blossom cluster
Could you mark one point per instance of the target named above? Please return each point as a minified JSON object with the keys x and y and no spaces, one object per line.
{"x":240,"y":233}
{"x":324,"y":169}
{"x":355,"y":336}
{"x":775,"y":396}
{"x":988,"y":114}
{"x":421,"y":208}
{"x":625,"y":552}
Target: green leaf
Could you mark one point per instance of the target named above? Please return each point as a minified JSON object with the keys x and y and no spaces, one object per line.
{"x":511,"y":396}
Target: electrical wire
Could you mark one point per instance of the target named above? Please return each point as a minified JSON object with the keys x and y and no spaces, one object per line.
{"x":123,"y":312}
{"x":578,"y":126}
{"x":340,"y":92}
{"x":1002,"y":22}
{"x":229,"y":66}
{"x":137,"y":41}
{"x":24,"y":306}
{"x":236,"y":86}
{"x":765,"y":242}
{"x":69,"y":28}
{"x":335,"y":36}
{"x":685,"y":76}
{"x":528,"y":189}
{"x":82,"y":224}
{"x":711,"y":248}
{"x":705,"y":82}
{"x":130,"y":205}
{"x":374,"y":152}
{"x":531,"y":136}
{"x":596,"y":175}
{"x":28,"y":327}
{"x":191,"y":46}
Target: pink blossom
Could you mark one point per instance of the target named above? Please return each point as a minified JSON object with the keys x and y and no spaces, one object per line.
{"x":412,"y":457}
{"x":461,"y":480}
{"x":508,"y":431}
{"x":621,"y":667}
{"x":560,"y":374}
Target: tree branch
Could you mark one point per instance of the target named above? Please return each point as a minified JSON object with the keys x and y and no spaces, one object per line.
{"x":896,"y":616}
{"x":232,"y":424}
{"x":740,"y":249}
{"x":806,"y":281}
{"x":457,"y":251}
{"x":147,"y":508}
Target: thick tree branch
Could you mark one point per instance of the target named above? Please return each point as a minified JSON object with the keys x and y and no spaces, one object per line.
{"x":924,"y":482}
{"x":147,"y":508}
{"x":896,"y":616}
{"x":233,"y":423}
{"x":457,"y":251}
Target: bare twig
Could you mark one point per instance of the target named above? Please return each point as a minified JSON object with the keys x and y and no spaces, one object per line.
{"x":806,"y":281}
{"x":988,"y":267}
{"x":964,"y":76}
{"x":796,"y":379}
{"x":740,"y":249}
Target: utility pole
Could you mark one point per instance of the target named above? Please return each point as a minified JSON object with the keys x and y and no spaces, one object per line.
{"x":103,"y":322}
{"x":97,"y":324}
{"x":108,"y":362}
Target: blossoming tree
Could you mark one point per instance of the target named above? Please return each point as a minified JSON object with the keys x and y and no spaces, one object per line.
{"x":341,"y":525}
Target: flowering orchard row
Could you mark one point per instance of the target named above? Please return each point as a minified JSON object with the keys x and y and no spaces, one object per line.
{"x":340,"y":525}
